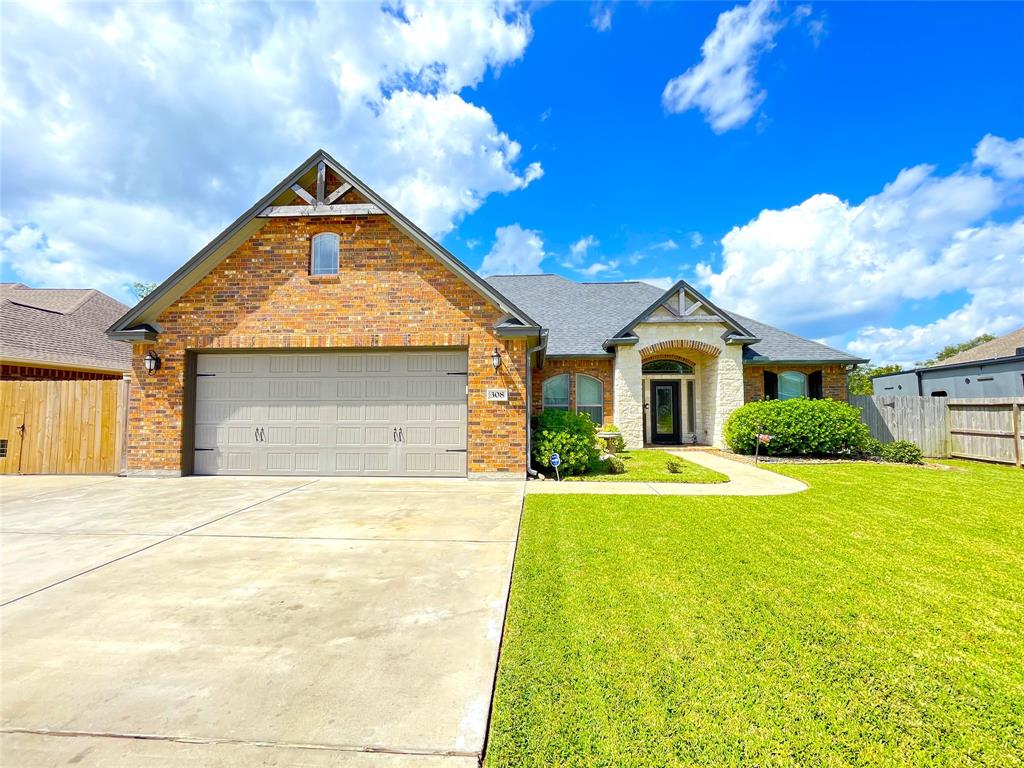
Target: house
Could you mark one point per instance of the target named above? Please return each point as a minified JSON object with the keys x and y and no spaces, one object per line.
{"x":59,"y":334}
{"x":324,"y":333}
{"x":992,"y":369}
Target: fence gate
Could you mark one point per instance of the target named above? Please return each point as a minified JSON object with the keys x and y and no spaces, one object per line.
{"x":62,"y":427}
{"x":987,"y":428}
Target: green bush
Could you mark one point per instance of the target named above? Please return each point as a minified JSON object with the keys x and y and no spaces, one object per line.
{"x":613,"y":465}
{"x":572,"y":436}
{"x":871,"y":447}
{"x":902,"y":452}
{"x":675,"y":466}
{"x":799,"y":426}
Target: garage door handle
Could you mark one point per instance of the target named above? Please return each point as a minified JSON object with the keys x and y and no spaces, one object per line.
{"x":394,"y":435}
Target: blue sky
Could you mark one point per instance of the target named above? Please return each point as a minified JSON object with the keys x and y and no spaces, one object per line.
{"x":852,"y":172}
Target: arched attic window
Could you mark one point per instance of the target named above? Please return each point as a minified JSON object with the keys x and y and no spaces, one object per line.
{"x":323,"y":259}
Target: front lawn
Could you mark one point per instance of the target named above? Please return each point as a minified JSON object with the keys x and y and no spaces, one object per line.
{"x":648,"y":466}
{"x":876,"y":619}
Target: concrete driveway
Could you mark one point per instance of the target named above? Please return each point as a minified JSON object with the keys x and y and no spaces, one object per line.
{"x":251,"y":621}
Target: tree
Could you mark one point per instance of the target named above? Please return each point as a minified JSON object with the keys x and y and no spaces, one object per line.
{"x":859,"y":382}
{"x":142,"y":290}
{"x":954,"y":349}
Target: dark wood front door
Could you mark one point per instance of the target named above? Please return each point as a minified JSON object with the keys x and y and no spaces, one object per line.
{"x":664,"y":407}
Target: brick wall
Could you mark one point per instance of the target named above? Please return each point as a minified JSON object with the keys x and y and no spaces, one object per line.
{"x":833,"y":379}
{"x":598,"y":368}
{"x":389,"y":293}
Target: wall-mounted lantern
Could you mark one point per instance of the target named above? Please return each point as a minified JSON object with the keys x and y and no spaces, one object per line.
{"x":496,"y":358}
{"x":152,"y":361}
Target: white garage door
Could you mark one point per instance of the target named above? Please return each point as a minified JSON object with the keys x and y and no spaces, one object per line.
{"x":331,"y":413}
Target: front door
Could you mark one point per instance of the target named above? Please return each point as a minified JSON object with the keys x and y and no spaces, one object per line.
{"x":665,"y":427}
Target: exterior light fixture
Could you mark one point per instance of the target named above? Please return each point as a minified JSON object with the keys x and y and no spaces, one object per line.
{"x":496,"y":358}
{"x":152,"y":361}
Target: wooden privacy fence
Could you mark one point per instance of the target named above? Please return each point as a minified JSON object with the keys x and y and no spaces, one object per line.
{"x":62,"y":427}
{"x":920,"y":420}
{"x":986,"y":428}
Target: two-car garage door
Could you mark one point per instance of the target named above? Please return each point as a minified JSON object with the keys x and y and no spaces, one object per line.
{"x":331,"y":413}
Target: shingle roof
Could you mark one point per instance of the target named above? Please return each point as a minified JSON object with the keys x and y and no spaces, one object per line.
{"x":581,"y":316}
{"x":62,"y":326}
{"x":1004,"y":346}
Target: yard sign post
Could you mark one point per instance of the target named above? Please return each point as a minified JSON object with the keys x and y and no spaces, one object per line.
{"x":555,"y":461}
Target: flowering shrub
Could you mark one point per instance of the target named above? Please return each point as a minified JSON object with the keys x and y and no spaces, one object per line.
{"x":572,"y":436}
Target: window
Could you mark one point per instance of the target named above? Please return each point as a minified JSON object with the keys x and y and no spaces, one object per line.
{"x":556,"y":392}
{"x":939,"y":393}
{"x":668,"y":366}
{"x":324,"y":260}
{"x":792,"y":384}
{"x":590,"y":397}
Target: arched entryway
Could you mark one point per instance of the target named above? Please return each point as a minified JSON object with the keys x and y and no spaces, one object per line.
{"x":672,"y":373}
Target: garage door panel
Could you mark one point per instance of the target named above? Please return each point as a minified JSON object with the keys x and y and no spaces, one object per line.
{"x":364,"y":413}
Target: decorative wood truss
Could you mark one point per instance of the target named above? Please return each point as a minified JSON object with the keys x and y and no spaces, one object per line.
{"x":323,"y":204}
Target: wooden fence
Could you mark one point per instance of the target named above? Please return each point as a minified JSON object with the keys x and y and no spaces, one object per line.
{"x":921,"y":420}
{"x":63,"y":427}
{"x":986,"y":428}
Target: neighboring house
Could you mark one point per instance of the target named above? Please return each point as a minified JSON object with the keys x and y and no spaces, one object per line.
{"x":992,"y":369}
{"x":324,"y":333}
{"x":58,"y":334}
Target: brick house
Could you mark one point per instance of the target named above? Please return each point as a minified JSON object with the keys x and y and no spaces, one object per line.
{"x":324,"y":333}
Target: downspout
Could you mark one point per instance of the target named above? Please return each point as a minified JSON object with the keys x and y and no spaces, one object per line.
{"x":542,"y":343}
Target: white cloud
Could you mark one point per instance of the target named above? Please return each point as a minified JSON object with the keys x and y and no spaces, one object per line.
{"x":227,"y":98}
{"x":696,"y":239}
{"x":722,"y":84}
{"x":1004,"y":157}
{"x":516,"y":251}
{"x":659,"y":282}
{"x":832,"y":267}
{"x":578,"y":250}
{"x":599,"y":267}
{"x":600,"y":17}
{"x":666,"y":245}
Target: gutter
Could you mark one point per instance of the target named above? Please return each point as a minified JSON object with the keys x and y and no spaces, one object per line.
{"x":542,"y":344}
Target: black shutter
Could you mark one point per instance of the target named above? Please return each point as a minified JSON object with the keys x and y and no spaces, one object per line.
{"x":814,"y":386}
{"x":771,"y":386}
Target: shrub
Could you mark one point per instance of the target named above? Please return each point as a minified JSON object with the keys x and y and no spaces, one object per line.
{"x":902,"y":452}
{"x":675,"y":466}
{"x":572,"y":436}
{"x":613,"y":465}
{"x":799,"y":426}
{"x":871,"y":447}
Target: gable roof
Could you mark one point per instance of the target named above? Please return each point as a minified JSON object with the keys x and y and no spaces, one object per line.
{"x":738,"y":332}
{"x":60,"y":326}
{"x":139,"y":322}
{"x":1004,"y":346}
{"x":582,"y":316}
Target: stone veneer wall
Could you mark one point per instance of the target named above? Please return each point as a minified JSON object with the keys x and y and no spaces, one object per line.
{"x":721,"y":379}
{"x":389,"y":293}
{"x":598,"y":368}
{"x":833,"y":379}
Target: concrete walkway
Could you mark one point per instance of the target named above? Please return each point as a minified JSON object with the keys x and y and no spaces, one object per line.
{"x":744,"y":480}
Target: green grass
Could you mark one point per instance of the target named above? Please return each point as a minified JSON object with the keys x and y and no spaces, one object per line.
{"x":876,"y":619}
{"x":648,"y":466}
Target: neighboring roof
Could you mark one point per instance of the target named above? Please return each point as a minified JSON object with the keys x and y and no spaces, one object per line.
{"x":1004,"y":346}
{"x":63,"y":327}
{"x":581,"y":316}
{"x":141,"y":318}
